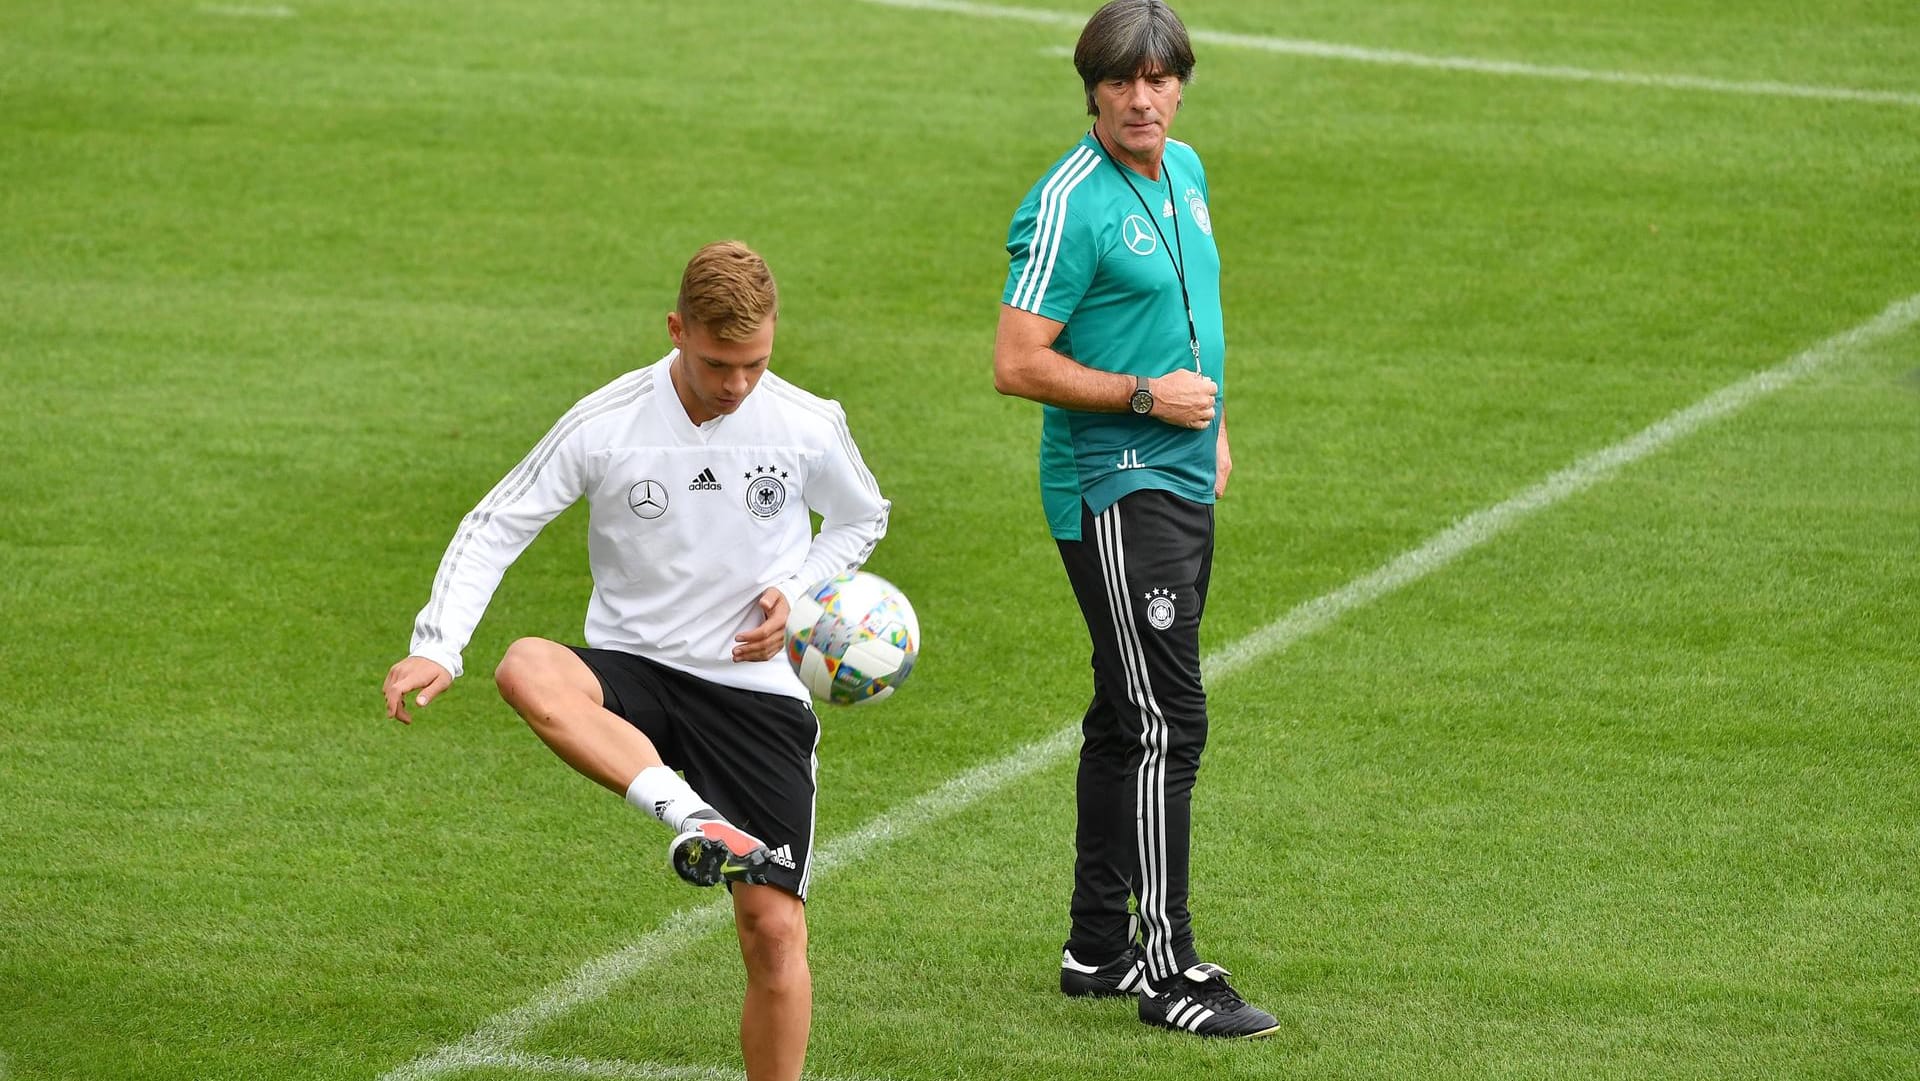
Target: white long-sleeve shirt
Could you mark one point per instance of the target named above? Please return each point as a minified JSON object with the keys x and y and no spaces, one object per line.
{"x":689,"y":524}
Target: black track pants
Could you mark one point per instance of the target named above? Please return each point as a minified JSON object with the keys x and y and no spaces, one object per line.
{"x":1140,"y":574}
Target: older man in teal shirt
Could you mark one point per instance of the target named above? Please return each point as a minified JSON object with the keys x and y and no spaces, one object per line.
{"x":1111,"y":319}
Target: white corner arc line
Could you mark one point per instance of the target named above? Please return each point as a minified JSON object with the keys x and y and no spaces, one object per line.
{"x":1325,"y":50}
{"x":492,"y":1043}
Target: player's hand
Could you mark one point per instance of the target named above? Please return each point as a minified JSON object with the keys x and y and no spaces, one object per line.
{"x":764,"y":642}
{"x":1183,"y":398}
{"x":414,"y":674}
{"x":1222,"y":464}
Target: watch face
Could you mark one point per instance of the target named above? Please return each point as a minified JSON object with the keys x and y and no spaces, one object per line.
{"x":1143,"y":401}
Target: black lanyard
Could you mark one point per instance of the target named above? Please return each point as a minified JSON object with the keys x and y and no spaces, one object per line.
{"x":1179,"y":262}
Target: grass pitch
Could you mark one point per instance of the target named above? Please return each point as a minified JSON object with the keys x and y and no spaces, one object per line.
{"x":1625,"y":792}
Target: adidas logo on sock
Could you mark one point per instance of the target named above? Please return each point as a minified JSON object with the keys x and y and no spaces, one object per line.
{"x":705,"y":482}
{"x":782,"y":856}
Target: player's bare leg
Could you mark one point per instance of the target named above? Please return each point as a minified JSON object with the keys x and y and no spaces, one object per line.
{"x":559,"y":697}
{"x":778,"y":1012}
{"x":561,"y":700}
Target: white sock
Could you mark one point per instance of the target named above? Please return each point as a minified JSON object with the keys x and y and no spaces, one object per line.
{"x":663,"y":794}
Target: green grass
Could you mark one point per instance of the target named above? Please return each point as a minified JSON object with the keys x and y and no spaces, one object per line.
{"x":1625,"y":793}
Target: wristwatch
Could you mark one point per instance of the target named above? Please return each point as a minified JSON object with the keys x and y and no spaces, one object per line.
{"x":1142,"y":400}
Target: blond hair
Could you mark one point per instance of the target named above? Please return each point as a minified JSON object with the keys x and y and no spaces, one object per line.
{"x":728,"y":290}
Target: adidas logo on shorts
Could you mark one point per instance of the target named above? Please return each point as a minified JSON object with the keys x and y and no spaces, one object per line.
{"x":705,"y":482}
{"x":782,"y":856}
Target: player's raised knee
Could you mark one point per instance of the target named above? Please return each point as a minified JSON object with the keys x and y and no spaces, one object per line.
{"x":530,"y":666}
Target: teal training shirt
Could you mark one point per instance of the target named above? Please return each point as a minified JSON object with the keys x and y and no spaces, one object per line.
{"x":1085,"y":253}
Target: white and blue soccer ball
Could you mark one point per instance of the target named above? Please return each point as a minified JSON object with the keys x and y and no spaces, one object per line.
{"x":852,"y":639}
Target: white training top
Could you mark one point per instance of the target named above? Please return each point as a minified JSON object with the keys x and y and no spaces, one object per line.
{"x":689,"y":524}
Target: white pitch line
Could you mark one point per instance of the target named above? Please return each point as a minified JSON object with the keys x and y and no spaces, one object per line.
{"x":237,"y":11}
{"x":610,"y":1069}
{"x":619,"y":1070}
{"x":498,"y":1035}
{"x":1481,"y":526}
{"x":493,"y":1042}
{"x":1324,"y":50}
{"x":589,"y":983}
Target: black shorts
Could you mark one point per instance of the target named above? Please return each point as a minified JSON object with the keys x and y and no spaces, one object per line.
{"x":749,"y":754}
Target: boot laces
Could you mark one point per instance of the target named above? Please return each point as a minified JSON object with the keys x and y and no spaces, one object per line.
{"x":1217,"y":994}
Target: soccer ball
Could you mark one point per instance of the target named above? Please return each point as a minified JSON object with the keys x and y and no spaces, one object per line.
{"x":852,"y":639}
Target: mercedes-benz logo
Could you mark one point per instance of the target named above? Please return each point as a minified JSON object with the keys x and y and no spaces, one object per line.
{"x":1138,"y":234}
{"x":648,"y":499}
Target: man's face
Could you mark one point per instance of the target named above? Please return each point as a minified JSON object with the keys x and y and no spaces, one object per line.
{"x":1135,"y":114}
{"x":712,"y":376}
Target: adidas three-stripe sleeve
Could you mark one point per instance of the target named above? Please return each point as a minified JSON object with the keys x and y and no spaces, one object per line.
{"x":1052,"y":251}
{"x":494,"y":533}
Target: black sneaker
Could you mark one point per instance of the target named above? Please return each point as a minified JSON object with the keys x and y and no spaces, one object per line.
{"x":1124,"y":975}
{"x":1201,"y":1001}
{"x":711,"y":851}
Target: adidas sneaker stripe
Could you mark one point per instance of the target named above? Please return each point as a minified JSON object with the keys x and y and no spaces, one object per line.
{"x":1189,"y":1014}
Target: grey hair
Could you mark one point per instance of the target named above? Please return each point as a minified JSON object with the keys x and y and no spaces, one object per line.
{"x":1128,"y":38}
